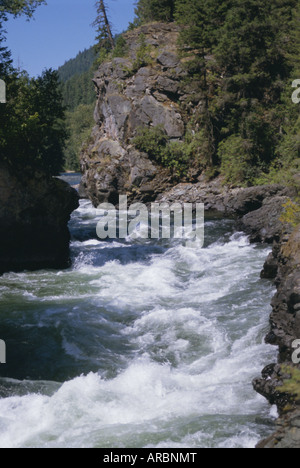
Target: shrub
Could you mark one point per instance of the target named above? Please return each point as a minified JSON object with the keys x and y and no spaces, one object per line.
{"x":179,"y":156}
{"x":236,"y":160}
{"x":143,"y":57}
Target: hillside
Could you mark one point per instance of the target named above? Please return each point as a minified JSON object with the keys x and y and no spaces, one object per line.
{"x":79,"y":98}
{"x":76,"y":78}
{"x":78,"y":65}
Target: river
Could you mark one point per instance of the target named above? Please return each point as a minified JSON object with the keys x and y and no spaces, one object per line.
{"x":139,"y":343}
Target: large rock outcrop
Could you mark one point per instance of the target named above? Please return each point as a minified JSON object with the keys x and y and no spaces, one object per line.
{"x":132,"y":94}
{"x":258,"y":209}
{"x":34,"y":215}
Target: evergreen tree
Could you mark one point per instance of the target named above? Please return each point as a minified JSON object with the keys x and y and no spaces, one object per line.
{"x":155,"y":10}
{"x":104,"y":31}
{"x":32,"y":129}
{"x":201,"y":21}
{"x":78,"y":65}
{"x":5,"y":55}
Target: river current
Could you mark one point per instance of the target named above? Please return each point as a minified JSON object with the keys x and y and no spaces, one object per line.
{"x":140,"y":343}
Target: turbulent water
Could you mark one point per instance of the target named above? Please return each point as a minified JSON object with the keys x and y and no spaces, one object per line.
{"x":139,"y":344}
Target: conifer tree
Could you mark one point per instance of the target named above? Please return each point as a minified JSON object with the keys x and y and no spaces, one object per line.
{"x":104,"y":36}
{"x":155,"y":10}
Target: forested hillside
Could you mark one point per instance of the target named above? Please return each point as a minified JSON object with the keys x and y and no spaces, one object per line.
{"x":76,"y":78}
{"x":78,"y":65}
{"x":79,"y":99}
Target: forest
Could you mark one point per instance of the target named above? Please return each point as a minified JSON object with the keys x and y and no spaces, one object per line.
{"x":242,"y":59}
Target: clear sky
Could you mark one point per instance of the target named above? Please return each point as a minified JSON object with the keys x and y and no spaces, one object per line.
{"x":59,"y":31}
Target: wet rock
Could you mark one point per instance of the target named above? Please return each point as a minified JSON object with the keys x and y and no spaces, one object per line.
{"x":287,"y":435}
{"x":269,"y":386}
{"x":284,"y":330}
{"x":34,"y":215}
{"x":270,"y":267}
{"x":264,"y":225}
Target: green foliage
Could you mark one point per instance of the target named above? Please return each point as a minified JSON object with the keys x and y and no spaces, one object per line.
{"x":121,"y":48}
{"x":82,"y":63}
{"x":20,"y":7}
{"x":143,"y":57}
{"x":152,"y":141}
{"x":241,"y":59}
{"x":235,"y":156}
{"x":79,"y":98}
{"x":104,"y":38}
{"x":291,"y":386}
{"x":32,"y":129}
{"x":148,"y":11}
{"x":79,"y":90}
{"x":5,"y":55}
{"x":79,"y":124}
{"x":178,"y":156}
{"x":291,"y":214}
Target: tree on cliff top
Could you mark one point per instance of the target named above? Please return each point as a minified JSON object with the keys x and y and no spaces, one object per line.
{"x":155,"y":10}
{"x":104,"y":37}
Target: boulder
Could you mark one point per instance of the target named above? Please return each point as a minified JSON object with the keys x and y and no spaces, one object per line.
{"x":34,"y":215}
{"x":264,"y":225}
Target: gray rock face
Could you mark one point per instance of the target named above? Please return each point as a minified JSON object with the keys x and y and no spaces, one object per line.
{"x":284,"y":263}
{"x":264,"y":224}
{"x":34,"y":215}
{"x":259,"y":208}
{"x":287,"y":435}
{"x":126,"y":101}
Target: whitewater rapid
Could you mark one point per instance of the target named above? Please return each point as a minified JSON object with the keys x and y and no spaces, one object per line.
{"x":140,"y":343}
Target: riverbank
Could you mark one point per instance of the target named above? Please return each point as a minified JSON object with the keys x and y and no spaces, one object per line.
{"x":284,"y":266}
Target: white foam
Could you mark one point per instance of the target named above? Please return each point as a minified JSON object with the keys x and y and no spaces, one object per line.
{"x":196,"y":327}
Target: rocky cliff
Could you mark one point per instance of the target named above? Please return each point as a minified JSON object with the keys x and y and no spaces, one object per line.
{"x":133,"y":94}
{"x":34,"y":213}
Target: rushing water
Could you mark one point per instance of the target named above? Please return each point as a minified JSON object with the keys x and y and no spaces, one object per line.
{"x":138,"y":344}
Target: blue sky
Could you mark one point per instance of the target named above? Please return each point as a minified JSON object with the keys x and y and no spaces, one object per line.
{"x":59,"y":31}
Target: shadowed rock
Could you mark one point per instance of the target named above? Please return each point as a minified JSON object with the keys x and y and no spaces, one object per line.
{"x":34,"y":215}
